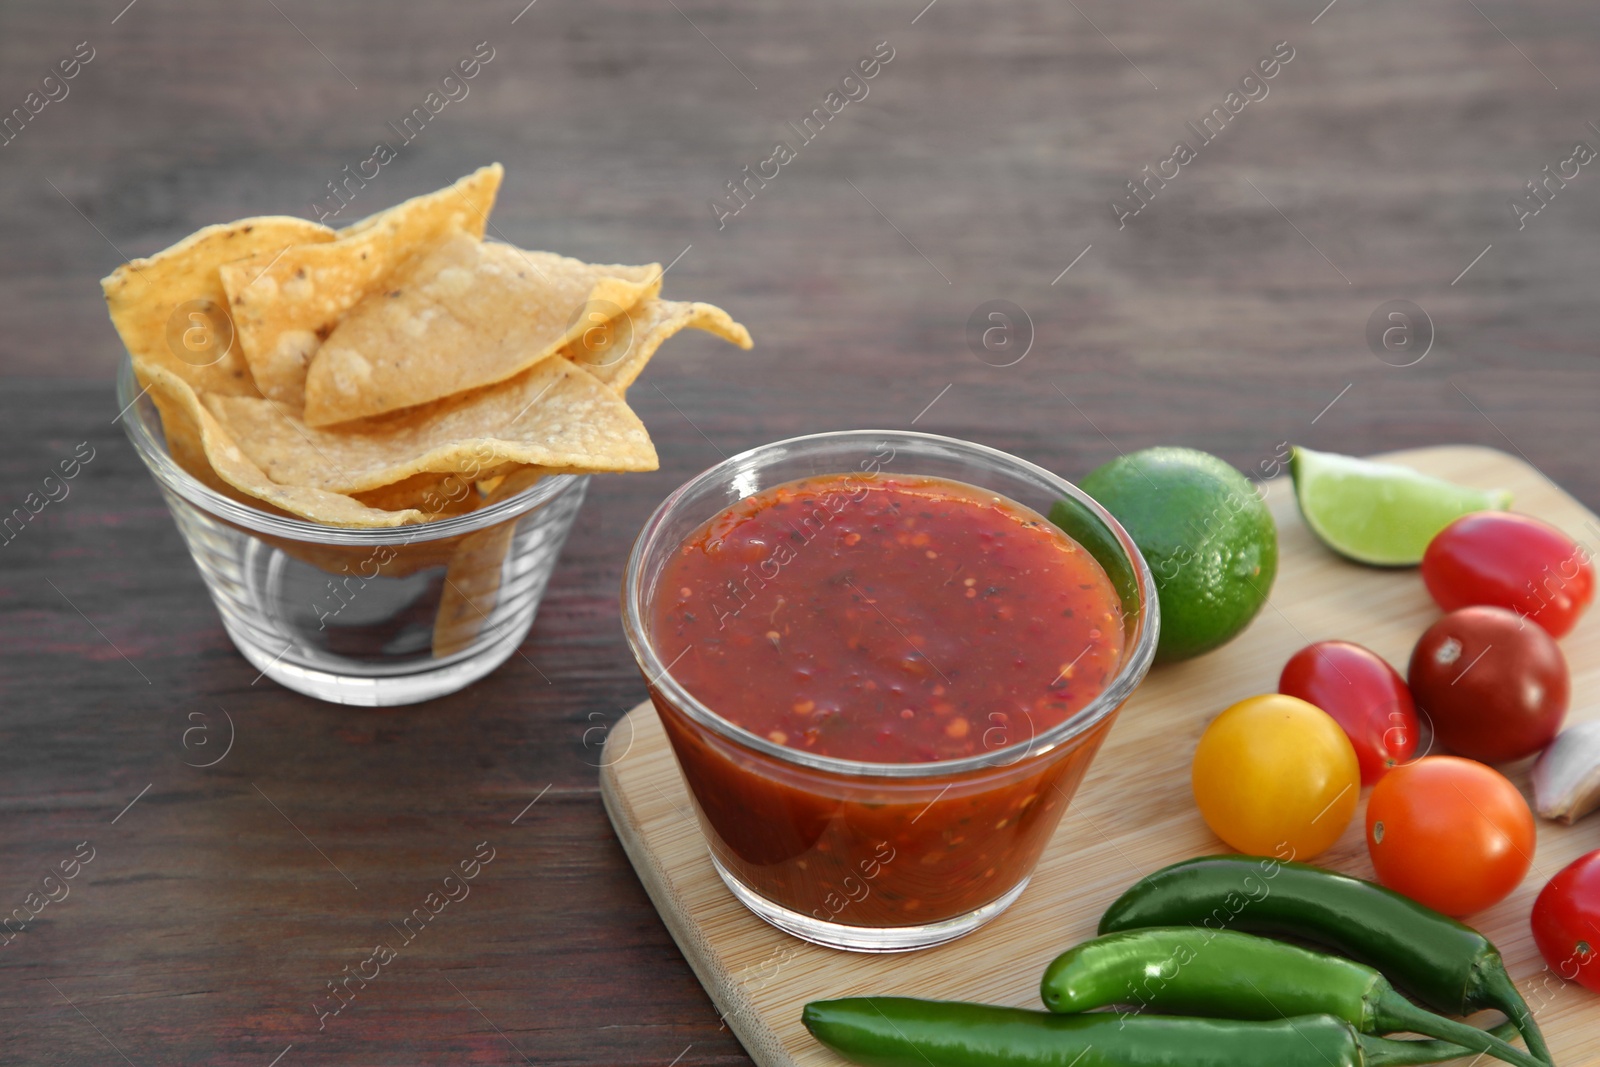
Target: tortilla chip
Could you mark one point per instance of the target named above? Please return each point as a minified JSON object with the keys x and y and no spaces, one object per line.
{"x":235,"y":468}
{"x":284,"y":305}
{"x":469,"y":314}
{"x":438,"y":495}
{"x":489,"y":485}
{"x":651,"y":323}
{"x":519,"y":479}
{"x":171,"y":309}
{"x":552,"y":415}
{"x":182,"y":435}
{"x":471,"y":588}
{"x":474,"y":575}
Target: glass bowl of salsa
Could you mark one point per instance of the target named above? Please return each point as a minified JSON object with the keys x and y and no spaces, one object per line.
{"x":884,"y":661}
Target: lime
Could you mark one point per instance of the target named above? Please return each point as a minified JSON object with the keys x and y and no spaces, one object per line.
{"x":1208,"y":538}
{"x":1380,"y":513}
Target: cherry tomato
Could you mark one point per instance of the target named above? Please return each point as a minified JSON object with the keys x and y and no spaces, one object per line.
{"x":1449,"y":833}
{"x":1274,"y":771}
{"x":1510,"y":561}
{"x":1494,"y":687}
{"x":1566,"y":921}
{"x":1365,"y":696}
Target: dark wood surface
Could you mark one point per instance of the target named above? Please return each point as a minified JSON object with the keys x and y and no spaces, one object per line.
{"x":1227,"y":315}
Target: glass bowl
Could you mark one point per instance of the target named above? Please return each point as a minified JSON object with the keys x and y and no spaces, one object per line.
{"x":881,"y":857}
{"x":373,"y":617}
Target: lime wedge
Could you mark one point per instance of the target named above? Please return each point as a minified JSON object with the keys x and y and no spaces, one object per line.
{"x":1380,"y":513}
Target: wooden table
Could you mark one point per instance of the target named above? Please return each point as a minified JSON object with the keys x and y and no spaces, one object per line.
{"x":1229,"y":314}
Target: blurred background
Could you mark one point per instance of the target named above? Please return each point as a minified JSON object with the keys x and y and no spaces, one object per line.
{"x":985,"y":159}
{"x":1429,"y":160}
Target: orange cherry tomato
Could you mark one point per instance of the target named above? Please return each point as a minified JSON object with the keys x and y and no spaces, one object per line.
{"x":1450,"y":833}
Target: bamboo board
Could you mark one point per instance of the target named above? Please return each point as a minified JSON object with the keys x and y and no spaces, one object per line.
{"x":1133,"y":814}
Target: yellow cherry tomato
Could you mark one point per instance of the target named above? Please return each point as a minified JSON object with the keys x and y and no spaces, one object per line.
{"x":1276,"y":776}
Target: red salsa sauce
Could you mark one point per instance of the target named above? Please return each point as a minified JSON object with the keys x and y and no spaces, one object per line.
{"x":883,"y":619}
{"x":903,"y":621}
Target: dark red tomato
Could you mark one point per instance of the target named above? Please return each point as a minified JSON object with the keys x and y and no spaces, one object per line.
{"x":1363,"y":694}
{"x":1494,"y":687}
{"x":1510,"y":561}
{"x":1566,"y":921}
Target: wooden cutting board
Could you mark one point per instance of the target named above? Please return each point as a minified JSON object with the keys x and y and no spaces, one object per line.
{"x":1133,"y":814}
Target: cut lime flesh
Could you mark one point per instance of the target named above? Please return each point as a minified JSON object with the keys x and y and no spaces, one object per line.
{"x":1380,"y":513}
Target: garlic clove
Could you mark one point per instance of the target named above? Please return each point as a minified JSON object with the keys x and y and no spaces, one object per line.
{"x":1566,"y":778}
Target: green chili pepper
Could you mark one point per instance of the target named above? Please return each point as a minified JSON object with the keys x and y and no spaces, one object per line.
{"x":1222,"y":974}
{"x":1447,"y":965}
{"x":902,"y":1032}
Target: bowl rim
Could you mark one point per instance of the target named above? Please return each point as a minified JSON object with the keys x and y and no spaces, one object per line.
{"x":658,"y":676}
{"x":153,"y":451}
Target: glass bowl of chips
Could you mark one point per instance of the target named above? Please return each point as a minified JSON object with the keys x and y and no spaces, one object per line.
{"x":375,"y":616}
{"x":375,"y":439}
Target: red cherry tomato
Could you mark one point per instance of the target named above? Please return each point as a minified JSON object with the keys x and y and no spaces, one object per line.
{"x":1449,"y":833}
{"x":1510,"y":561}
{"x":1494,"y":686}
{"x":1566,"y":921}
{"x":1363,"y":694}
